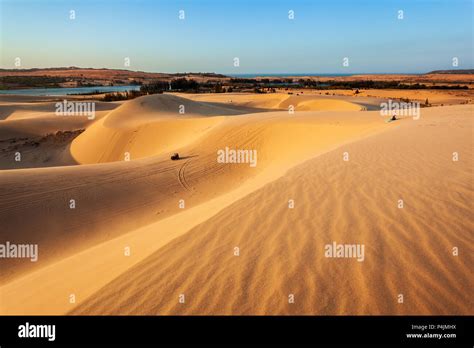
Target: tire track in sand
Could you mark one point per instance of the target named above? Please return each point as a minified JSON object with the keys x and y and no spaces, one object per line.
{"x":182,"y":177}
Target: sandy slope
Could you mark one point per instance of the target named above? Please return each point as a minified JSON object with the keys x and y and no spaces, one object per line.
{"x":153,"y":124}
{"x":15,"y":108}
{"x":408,"y":250}
{"x":135,"y":203}
{"x":152,"y":187}
{"x":29,"y":125}
{"x":434,"y":97}
{"x":265,"y":101}
{"x":144,"y":127}
{"x":280,"y":101}
{"x":308,"y":103}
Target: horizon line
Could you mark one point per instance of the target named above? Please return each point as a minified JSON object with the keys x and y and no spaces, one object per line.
{"x":237,"y":74}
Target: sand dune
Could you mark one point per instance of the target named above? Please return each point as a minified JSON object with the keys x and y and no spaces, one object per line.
{"x":153,"y":124}
{"x":33,"y":107}
{"x":136,"y":204}
{"x":250,"y":100}
{"x":409,"y":250}
{"x":155,"y":184}
{"x":32,"y":127}
{"x":145,"y":126}
{"x":279,"y":101}
{"x":434,"y":97}
{"x":309,"y":103}
{"x":204,"y":178}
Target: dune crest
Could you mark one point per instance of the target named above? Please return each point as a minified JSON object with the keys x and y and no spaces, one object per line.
{"x":158,"y":124}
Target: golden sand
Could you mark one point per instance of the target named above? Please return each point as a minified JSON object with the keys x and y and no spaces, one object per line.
{"x":135,"y":206}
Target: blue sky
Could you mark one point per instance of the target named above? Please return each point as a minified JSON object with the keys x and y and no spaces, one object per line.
{"x":258,"y":32}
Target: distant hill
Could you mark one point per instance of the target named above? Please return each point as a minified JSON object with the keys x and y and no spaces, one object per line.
{"x":94,"y":73}
{"x":85,"y":77}
{"x":457,"y":71}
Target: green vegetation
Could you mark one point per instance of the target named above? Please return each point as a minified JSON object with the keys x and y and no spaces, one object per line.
{"x":334,"y":84}
{"x":184,"y":85}
{"x":14,"y":82}
{"x":115,"y":96}
{"x":154,"y":87}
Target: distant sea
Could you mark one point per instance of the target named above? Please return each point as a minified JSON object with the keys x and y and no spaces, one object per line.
{"x":66,"y":91}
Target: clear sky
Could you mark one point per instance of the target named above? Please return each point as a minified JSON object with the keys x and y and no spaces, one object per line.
{"x":258,"y":32}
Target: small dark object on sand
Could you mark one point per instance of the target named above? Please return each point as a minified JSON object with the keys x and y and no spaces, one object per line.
{"x":394,"y":118}
{"x":175,"y":157}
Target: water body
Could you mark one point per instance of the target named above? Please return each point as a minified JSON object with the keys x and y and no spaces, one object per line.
{"x":67,"y":91}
